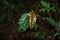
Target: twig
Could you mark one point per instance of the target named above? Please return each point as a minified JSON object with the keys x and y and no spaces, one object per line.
{"x":37,"y":7}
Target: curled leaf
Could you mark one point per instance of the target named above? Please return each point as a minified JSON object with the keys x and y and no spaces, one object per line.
{"x":31,"y":19}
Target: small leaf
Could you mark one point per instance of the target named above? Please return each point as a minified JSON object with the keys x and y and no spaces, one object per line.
{"x":45,"y":4}
{"x":51,"y":21}
{"x":42,"y":10}
{"x":53,"y":9}
{"x":22,"y":24}
{"x":31,"y":19}
{"x":36,"y":26}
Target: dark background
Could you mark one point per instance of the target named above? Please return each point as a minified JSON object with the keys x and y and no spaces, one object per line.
{"x":10,"y":12}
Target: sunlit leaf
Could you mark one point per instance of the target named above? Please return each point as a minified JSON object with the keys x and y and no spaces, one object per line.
{"x":22,"y":24}
{"x":51,"y":21}
{"x":31,"y":19}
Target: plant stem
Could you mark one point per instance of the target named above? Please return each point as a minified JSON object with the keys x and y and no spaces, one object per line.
{"x":37,"y":7}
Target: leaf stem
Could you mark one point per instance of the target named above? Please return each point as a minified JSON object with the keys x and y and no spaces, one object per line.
{"x":37,"y":7}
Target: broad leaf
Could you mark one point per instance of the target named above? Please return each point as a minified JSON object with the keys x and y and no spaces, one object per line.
{"x":51,"y":21}
{"x":22,"y":24}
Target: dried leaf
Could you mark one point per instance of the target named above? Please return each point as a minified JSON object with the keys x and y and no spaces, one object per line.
{"x":31,"y":19}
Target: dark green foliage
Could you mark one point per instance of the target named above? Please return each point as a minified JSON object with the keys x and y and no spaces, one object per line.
{"x":24,"y":6}
{"x":42,"y":10}
{"x":36,"y":26}
{"x":40,"y":36}
{"x":5,"y":16}
{"x":51,"y":21}
{"x":57,"y":35}
{"x":2,"y":17}
{"x":45,"y":4}
{"x":53,"y":9}
{"x":46,"y":7}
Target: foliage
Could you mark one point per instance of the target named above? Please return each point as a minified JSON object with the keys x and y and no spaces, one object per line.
{"x":57,"y":34}
{"x":31,"y":17}
{"x":46,"y":7}
{"x":5,"y":16}
{"x":36,"y":26}
{"x":51,"y":21}
{"x":45,"y":4}
{"x":22,"y":24}
{"x":40,"y":36}
{"x":53,"y":9}
{"x":42,"y":10}
{"x":26,"y":21}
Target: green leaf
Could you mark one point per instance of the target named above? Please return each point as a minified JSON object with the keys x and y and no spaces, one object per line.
{"x":36,"y":26}
{"x":22,"y":24}
{"x":2,"y":17}
{"x":42,"y":10}
{"x":57,"y":34}
{"x":45,"y":4}
{"x":51,"y":21}
{"x":53,"y":9}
